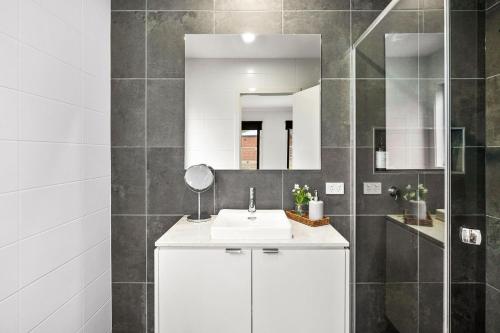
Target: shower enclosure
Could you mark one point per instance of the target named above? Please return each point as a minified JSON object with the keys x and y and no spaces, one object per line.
{"x":425,"y":125}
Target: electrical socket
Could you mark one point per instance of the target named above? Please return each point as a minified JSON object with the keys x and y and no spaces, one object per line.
{"x":334,"y":188}
{"x":372,"y":188}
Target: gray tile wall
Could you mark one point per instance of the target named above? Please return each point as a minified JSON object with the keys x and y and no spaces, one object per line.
{"x":148,"y":193}
{"x":492,"y":174}
{"x":467,"y":39}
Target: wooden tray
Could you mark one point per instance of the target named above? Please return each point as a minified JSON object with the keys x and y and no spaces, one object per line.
{"x":304,"y":219}
{"x":412,"y":220}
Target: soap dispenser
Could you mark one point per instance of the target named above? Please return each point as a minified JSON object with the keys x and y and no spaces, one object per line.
{"x":315,"y":208}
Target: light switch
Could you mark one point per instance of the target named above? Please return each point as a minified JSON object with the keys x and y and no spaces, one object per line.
{"x":334,"y":188}
{"x":372,"y":188}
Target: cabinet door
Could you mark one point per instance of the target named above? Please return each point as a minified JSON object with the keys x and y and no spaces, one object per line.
{"x":300,"y":291}
{"x":203,"y":291}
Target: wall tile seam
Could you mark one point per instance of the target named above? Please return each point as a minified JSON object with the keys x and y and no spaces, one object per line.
{"x":63,"y":224}
{"x":21,"y":288}
{"x":81,"y":292}
{"x":19,"y":190}
{"x":108,"y":301}
{"x":21,"y":91}
{"x":48,"y":54}
{"x":493,"y":76}
{"x":497,"y":218}
{"x":60,"y":183}
{"x":62,"y":19}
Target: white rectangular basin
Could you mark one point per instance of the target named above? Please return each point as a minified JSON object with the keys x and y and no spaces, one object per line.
{"x":239,"y":224}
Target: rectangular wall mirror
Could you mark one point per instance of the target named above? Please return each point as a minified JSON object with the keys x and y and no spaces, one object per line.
{"x":253,"y":102}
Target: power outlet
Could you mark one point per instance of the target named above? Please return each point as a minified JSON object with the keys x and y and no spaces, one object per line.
{"x":334,"y":188}
{"x":372,"y":188}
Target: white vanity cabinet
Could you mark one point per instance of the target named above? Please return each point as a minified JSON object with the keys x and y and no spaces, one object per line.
{"x":294,"y":286}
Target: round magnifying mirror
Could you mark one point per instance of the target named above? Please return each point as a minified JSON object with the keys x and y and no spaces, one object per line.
{"x":199,"y":178}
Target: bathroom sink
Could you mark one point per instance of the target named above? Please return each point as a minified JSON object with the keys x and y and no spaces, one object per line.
{"x":239,"y":224}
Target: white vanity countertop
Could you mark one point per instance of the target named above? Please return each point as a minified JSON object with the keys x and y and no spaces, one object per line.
{"x":435,"y":232}
{"x":188,"y":234}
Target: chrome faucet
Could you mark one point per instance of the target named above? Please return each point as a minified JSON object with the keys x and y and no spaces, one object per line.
{"x":252,"y":202}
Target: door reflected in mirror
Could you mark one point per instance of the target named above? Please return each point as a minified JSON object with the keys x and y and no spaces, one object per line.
{"x":253,"y":104}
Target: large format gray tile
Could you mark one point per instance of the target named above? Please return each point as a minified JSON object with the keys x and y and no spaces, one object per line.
{"x":493,"y":111}
{"x":232,"y":189}
{"x":361,"y":20}
{"x":492,"y":41}
{"x":166,"y":113}
{"x":128,"y":4}
{"x":370,"y":110}
{"x":370,"y":309}
{"x":435,"y":196}
{"x":166,"y":40}
{"x":468,"y":109}
{"x":335,"y":107}
{"x":240,"y":22}
{"x":151,"y":308}
{"x":128,"y":181}
{"x":266,"y":5}
{"x":128,"y":248}
{"x":343,"y":225}
{"x":128,"y":45}
{"x":492,"y":179}
{"x":492,"y":310}
{"x":430,"y":315}
{"x":167,"y":192}
{"x":493,"y":252}
{"x":370,"y":248}
{"x":467,"y":304}
{"x":467,"y":44}
{"x":467,"y":262}
{"x":401,"y":263}
{"x":401,"y":306}
{"x":430,"y":261}
{"x":334,"y":168}
{"x":433,"y":20}
{"x":334,"y":27}
{"x":127,"y":112}
{"x":370,"y":53}
{"x":129,"y":307}
{"x":467,"y":194}
{"x":467,"y":4}
{"x":381,"y":204}
{"x":316,"y":4}
{"x":369,"y":4}
{"x":156,"y":227}
{"x":180,"y":4}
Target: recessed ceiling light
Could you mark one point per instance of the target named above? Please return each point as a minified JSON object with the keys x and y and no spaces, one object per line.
{"x":252,"y":89}
{"x":248,"y":37}
{"x":250,"y":71}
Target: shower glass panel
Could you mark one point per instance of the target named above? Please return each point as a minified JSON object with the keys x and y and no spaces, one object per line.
{"x":399,"y":98}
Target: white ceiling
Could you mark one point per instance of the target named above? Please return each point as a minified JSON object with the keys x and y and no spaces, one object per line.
{"x":412,"y":44}
{"x":264,"y":46}
{"x":266,"y":101}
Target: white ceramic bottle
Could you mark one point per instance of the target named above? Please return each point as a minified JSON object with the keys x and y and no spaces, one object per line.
{"x":315,"y":208}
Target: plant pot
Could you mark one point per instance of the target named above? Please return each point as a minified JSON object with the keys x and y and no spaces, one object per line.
{"x":418,"y":208}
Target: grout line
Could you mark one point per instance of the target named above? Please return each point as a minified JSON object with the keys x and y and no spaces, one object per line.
{"x":146,"y":187}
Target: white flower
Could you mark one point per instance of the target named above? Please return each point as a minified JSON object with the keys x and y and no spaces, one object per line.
{"x":296,"y":186}
{"x":309,"y":195}
{"x":408,"y":187}
{"x":306,"y":187}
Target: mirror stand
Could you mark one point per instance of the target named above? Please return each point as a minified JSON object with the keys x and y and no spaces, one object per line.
{"x":200,"y":217}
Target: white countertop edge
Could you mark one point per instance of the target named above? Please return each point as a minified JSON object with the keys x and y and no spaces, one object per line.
{"x":193,"y":235}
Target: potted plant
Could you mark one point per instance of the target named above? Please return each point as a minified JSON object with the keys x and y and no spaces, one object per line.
{"x":416,"y":199}
{"x":301,"y":196}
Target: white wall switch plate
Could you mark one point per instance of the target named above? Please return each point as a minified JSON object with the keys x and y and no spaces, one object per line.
{"x":372,"y":188}
{"x":334,"y":188}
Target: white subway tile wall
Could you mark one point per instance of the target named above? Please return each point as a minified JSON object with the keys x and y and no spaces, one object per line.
{"x":55,"y":247}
